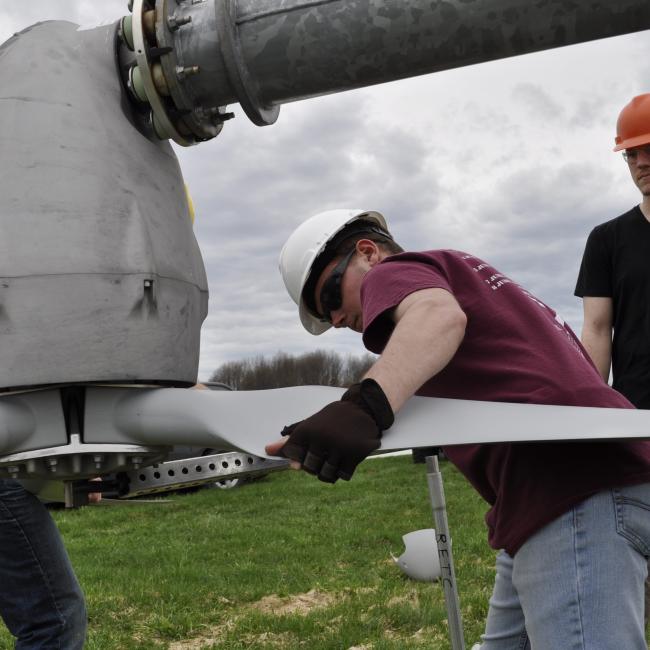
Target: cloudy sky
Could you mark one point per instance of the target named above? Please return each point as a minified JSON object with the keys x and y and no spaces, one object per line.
{"x":510,"y":160}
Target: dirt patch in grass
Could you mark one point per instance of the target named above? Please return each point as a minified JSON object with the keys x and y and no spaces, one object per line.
{"x":209,"y":637}
{"x":300,"y":604}
{"x":271,"y":640}
{"x":217,"y":634}
{"x":192,"y":644}
{"x":410,"y":598}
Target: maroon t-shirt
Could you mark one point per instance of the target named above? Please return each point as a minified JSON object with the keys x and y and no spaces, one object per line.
{"x":515,"y":349}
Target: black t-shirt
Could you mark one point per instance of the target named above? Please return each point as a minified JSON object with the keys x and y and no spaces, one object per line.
{"x":616,"y":264}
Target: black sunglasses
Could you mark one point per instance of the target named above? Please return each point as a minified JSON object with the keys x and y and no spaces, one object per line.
{"x":331,"y":297}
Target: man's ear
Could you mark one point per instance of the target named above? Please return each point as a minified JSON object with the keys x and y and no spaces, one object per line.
{"x":369,"y":250}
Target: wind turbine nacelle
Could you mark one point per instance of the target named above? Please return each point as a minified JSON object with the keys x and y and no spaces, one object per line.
{"x":101,"y":278}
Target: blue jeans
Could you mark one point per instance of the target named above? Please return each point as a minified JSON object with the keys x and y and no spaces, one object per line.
{"x":577,"y":584}
{"x":40,"y":599}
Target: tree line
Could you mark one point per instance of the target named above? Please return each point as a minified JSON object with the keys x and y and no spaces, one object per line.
{"x":319,"y":368}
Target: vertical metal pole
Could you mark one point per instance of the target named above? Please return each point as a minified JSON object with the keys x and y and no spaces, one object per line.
{"x":447,"y":573}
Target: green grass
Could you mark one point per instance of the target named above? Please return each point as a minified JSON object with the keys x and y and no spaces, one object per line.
{"x":284,"y":562}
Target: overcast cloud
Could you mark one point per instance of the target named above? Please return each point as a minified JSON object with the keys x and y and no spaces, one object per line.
{"x":510,"y":160}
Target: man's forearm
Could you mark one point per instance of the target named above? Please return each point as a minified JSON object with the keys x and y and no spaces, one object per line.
{"x":597,"y":331}
{"x":598,"y":344}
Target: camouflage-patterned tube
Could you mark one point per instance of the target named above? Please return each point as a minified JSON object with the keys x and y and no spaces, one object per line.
{"x":302,"y":48}
{"x":264,"y":53}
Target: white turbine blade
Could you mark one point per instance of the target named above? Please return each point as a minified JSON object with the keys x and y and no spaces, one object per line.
{"x":248,"y":420}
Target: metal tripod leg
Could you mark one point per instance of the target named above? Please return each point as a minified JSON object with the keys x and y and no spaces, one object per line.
{"x":448,"y":575}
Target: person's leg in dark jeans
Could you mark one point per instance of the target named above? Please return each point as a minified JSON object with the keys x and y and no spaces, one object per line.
{"x":40,"y":599}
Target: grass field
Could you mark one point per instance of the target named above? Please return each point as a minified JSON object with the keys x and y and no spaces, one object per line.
{"x":284,"y":562}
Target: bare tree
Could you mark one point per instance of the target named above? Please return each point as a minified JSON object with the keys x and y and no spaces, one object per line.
{"x":319,"y":368}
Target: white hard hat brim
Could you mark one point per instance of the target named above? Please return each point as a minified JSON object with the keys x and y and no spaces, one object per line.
{"x":313,"y":325}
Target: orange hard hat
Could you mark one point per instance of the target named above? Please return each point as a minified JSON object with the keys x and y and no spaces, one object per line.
{"x":633,"y":126}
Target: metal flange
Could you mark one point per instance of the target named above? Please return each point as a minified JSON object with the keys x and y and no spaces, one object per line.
{"x":192,"y":115}
{"x":165,"y":38}
{"x":163,"y":124}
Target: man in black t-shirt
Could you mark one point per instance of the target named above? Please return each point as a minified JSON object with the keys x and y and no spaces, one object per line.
{"x":614,"y":279}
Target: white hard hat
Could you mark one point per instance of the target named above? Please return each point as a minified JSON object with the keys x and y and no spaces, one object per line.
{"x":420,"y":559}
{"x":305,"y":244}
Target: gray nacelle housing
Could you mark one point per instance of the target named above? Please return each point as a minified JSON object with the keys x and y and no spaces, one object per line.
{"x":101,"y":278}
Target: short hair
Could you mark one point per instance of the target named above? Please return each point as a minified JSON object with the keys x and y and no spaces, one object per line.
{"x":341,"y":244}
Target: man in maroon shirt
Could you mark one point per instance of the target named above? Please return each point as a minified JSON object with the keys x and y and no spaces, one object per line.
{"x":571,"y":520}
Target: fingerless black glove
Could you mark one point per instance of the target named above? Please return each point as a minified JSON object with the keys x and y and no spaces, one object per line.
{"x":332,"y":442}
